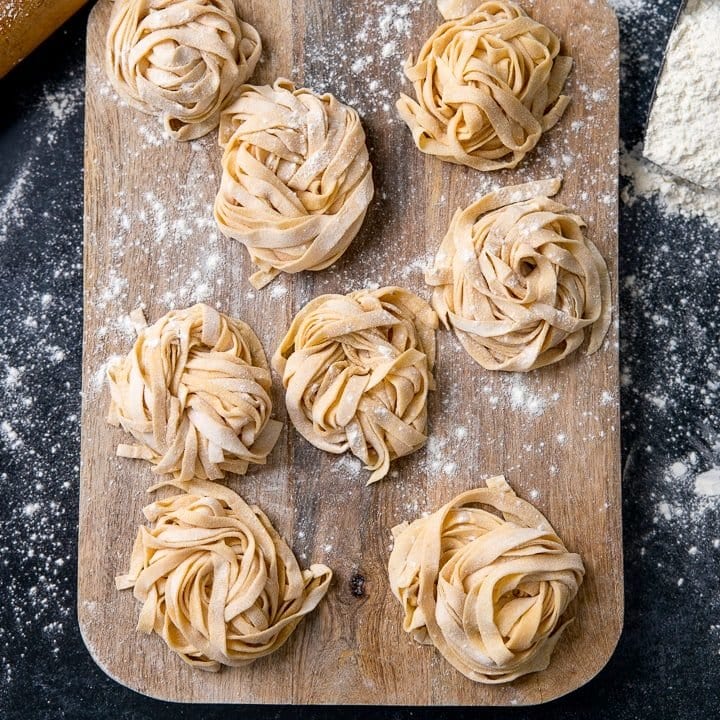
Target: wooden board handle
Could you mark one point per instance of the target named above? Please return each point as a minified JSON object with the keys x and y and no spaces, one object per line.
{"x":24,"y":24}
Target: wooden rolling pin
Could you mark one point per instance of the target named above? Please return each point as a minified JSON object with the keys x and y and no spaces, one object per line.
{"x":24,"y":24}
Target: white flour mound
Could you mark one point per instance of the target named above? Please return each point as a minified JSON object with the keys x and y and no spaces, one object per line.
{"x":682,"y":135}
{"x":678,"y":163}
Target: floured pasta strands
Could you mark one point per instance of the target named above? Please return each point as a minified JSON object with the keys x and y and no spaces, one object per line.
{"x":357,"y":369}
{"x":488,"y":83}
{"x":180,"y":59}
{"x":487,"y":587}
{"x":518,"y":281}
{"x":194,"y":393}
{"x":217,"y":582}
{"x":297,"y":179}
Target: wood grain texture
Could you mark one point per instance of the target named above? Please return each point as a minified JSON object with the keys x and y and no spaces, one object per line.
{"x":554,"y":432}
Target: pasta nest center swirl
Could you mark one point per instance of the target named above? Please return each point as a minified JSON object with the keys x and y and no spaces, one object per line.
{"x":297,"y":179}
{"x":357,"y":370}
{"x":518,"y":281}
{"x":217,"y":582}
{"x":487,"y":86}
{"x":183,"y":59}
{"x":194,"y":393}
{"x":488,"y":590}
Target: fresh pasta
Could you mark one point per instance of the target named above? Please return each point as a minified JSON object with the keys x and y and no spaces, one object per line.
{"x":357,"y":369}
{"x":487,"y":86}
{"x":216,"y":581}
{"x":487,"y":587}
{"x":297,"y":179}
{"x":194,"y":394}
{"x":518,"y":281}
{"x":180,"y":59}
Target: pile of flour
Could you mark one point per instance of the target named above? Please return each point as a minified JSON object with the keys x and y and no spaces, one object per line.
{"x":682,"y":135}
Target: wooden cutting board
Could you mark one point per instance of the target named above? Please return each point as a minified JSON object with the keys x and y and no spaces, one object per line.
{"x":150,"y":238}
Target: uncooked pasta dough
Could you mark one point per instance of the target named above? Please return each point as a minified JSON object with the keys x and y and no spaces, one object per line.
{"x":489,"y":592}
{"x":518,"y":281}
{"x":217,"y":582}
{"x":193,"y":392}
{"x":487,"y":85}
{"x":357,"y":369}
{"x":180,"y":59}
{"x":297,"y":180}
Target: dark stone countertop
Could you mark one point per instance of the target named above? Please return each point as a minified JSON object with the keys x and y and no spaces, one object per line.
{"x":667,"y":664}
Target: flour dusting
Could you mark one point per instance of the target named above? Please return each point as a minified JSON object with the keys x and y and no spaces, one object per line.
{"x":40,"y":238}
{"x":690,"y":495}
{"x":672,"y":195}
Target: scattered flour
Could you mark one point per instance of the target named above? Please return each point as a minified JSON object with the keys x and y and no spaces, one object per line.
{"x":11,"y":205}
{"x":97,"y":381}
{"x":40,"y":237}
{"x":672,"y":195}
{"x":522,"y":398}
{"x":678,"y":469}
{"x":62,"y":103}
{"x":277,"y":290}
{"x":689,"y":497}
{"x":629,"y":8}
{"x":348,"y":464}
{"x":461,"y":433}
{"x":385,"y":43}
{"x":10,"y":436}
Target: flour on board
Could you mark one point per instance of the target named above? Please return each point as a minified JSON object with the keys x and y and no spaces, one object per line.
{"x":385,"y":35}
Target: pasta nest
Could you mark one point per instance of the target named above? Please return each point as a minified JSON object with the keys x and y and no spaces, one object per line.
{"x":194,"y":393}
{"x":297,"y":179}
{"x":181,"y":59}
{"x":488,"y":592}
{"x":487,"y":86}
{"x":357,"y":369}
{"x":518,"y":281}
{"x":217,"y":582}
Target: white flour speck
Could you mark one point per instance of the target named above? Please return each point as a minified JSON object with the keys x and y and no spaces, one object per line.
{"x":707,"y":484}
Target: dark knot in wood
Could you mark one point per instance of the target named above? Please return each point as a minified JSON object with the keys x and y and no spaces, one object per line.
{"x":357,"y":585}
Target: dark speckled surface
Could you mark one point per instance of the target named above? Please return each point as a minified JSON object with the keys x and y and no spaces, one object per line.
{"x":667,"y":664}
